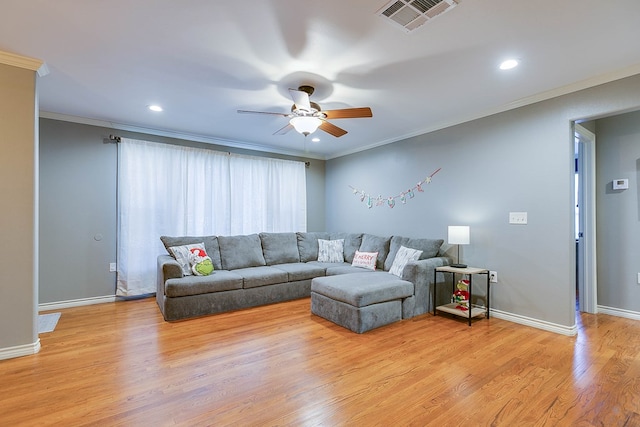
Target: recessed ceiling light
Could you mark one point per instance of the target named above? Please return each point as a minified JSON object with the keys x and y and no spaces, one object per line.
{"x":509,"y":64}
{"x":155,"y":108}
{"x":316,"y":139}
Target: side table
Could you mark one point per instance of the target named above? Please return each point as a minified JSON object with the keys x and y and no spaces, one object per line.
{"x":451,"y":308}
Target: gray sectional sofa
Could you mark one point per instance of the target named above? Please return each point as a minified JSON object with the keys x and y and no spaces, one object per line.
{"x":265,"y":268}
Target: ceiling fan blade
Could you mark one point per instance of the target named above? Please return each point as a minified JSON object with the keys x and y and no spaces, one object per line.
{"x":301,"y":99}
{"x":348,"y":113}
{"x":332,"y":129}
{"x":263,"y":112}
{"x":284,"y":129}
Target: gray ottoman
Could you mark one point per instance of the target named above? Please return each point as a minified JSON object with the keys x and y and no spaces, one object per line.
{"x":360,"y":301}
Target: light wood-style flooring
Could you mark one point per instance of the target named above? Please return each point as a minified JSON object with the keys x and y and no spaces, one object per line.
{"x":120,"y":364}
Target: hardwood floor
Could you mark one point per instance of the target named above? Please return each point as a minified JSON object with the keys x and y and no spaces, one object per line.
{"x":120,"y":364}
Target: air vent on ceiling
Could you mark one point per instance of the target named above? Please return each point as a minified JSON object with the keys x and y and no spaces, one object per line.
{"x":411,"y":14}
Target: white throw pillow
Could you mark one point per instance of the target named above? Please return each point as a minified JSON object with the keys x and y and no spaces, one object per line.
{"x":365,"y":260}
{"x":403,"y":256}
{"x":182,"y":254}
{"x":331,"y":250}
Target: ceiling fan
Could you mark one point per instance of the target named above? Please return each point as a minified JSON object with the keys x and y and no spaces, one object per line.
{"x":307,"y":116}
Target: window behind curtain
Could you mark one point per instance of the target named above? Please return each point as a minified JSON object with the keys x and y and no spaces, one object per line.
{"x":178,"y":191}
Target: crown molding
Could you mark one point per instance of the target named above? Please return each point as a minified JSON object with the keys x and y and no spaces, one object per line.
{"x":24,"y":62}
{"x":178,"y":135}
{"x":523,"y":102}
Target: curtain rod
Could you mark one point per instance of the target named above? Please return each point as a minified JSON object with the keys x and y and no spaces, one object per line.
{"x":119,"y":139}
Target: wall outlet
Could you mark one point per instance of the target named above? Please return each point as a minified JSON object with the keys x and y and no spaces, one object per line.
{"x":493,"y":276}
{"x":519,"y":218}
{"x":638,"y":278}
{"x":112,"y":267}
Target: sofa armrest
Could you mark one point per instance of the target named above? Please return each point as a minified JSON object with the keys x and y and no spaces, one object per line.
{"x":420,"y":273}
{"x":168,"y":268}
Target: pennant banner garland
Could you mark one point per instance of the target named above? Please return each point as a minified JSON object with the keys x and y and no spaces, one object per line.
{"x":391,"y":200}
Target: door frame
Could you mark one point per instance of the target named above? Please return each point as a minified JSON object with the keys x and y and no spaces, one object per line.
{"x":586,"y":254}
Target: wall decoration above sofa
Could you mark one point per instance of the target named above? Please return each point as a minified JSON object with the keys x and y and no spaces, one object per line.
{"x":391,"y":200}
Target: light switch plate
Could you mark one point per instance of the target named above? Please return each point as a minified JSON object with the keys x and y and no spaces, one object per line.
{"x":519,"y":218}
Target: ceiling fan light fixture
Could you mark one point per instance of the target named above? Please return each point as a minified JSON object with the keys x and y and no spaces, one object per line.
{"x":306,"y":116}
{"x":509,"y":64}
{"x":305,"y":125}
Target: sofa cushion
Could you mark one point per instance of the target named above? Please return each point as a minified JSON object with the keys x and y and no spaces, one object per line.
{"x":327,"y":265}
{"x":301,"y":271}
{"x":218,"y":281}
{"x":240,"y":251}
{"x":334,"y":268}
{"x":279,"y":248}
{"x":345,"y":269}
{"x":371,"y":243}
{"x":308,"y":245}
{"x":352,"y":243}
{"x":255,"y":277}
{"x":210,"y":245}
{"x":429,"y":248}
{"x":362,"y":289}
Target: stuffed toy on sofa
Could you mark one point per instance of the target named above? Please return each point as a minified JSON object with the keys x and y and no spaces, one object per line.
{"x":201,"y":263}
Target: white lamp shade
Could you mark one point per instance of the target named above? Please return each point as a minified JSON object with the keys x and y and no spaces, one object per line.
{"x":305,"y":125}
{"x":458,"y":235}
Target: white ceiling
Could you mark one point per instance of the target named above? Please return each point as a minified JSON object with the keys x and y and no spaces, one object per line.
{"x":204,"y":59}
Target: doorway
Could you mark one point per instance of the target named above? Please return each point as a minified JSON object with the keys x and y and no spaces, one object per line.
{"x":585,"y":208}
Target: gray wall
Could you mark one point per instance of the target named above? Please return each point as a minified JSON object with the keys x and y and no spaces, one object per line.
{"x":18,"y":224}
{"x":618,"y":211}
{"x":316,"y":209}
{"x":77,"y":211}
{"x":519,"y":160}
{"x":78,"y":166}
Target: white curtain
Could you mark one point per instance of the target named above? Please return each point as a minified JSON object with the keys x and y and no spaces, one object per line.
{"x":177,"y":191}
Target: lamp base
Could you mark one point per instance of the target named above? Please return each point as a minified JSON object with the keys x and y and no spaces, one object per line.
{"x":459,"y":265}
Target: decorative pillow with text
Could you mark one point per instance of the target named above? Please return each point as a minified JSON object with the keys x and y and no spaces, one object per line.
{"x":331,"y":250}
{"x":365,"y":260}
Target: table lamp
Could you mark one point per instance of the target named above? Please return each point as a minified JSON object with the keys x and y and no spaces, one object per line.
{"x":458,"y":235}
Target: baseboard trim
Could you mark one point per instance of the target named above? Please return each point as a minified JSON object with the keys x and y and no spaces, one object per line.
{"x":535,"y":323}
{"x":75,"y":303}
{"x":20,"y":350}
{"x":618,"y":312}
